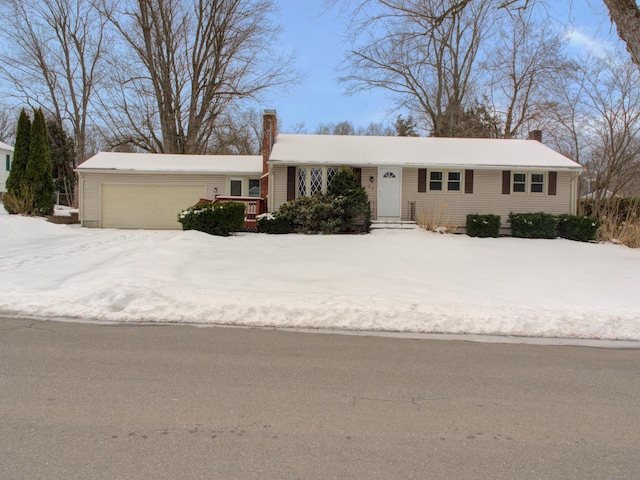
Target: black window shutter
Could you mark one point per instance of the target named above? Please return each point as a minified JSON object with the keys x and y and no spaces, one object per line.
{"x":468,"y":181}
{"x":553,"y":183}
{"x":291,"y":183}
{"x":506,"y":182}
{"x":422,"y":180}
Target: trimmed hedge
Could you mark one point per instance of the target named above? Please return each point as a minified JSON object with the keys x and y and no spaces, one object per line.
{"x":533,"y":225}
{"x":483,"y":225}
{"x":218,"y":218}
{"x":576,"y":227}
{"x":273,"y":224}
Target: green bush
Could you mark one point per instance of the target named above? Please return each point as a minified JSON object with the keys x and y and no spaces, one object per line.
{"x":483,"y":225}
{"x":577,"y":227}
{"x":317,"y":214}
{"x":533,"y":225}
{"x":356,"y":212}
{"x":218,"y":218}
{"x":273,"y":224}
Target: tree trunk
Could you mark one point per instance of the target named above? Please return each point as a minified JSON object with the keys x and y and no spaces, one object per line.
{"x":626,"y":16}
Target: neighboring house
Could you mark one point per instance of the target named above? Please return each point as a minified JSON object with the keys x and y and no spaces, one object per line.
{"x":6,"y":158}
{"x":136,"y":190}
{"x":409,"y":177}
{"x":405,"y":178}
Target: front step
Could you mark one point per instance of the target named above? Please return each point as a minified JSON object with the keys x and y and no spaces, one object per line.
{"x":393,"y":225}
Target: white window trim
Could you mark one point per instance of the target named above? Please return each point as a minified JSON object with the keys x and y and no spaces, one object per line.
{"x":527,"y":183}
{"x":445,"y":181}
{"x":248,"y":181}
{"x":242,"y":186}
{"x":307,"y":187}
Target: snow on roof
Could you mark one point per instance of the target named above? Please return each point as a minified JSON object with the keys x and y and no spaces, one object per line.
{"x":166,"y":163}
{"x":4,"y":146}
{"x":416,"y":151}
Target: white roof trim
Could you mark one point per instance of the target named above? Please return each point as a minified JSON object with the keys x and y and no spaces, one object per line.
{"x":4,"y":146}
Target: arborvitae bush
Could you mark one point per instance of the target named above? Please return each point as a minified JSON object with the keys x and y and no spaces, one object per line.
{"x":17,"y":202}
{"x":533,"y":225}
{"x":483,"y":225}
{"x":38,"y":174}
{"x":356,"y":210}
{"x":273,"y":224}
{"x":577,"y":227}
{"x":218,"y":218}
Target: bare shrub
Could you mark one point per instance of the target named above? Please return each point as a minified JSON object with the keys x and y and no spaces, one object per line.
{"x":437,"y":219}
{"x":621,"y":227}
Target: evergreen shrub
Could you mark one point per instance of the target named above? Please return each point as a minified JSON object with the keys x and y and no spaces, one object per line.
{"x":317,"y":214}
{"x":483,"y":225}
{"x":533,"y":225}
{"x":218,"y":218}
{"x":273,"y":224}
{"x":578,"y":227}
{"x":356,"y":212}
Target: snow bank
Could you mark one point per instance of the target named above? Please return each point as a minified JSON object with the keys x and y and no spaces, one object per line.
{"x":408,"y":281}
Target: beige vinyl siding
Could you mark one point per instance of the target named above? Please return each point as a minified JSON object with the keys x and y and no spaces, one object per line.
{"x":371,"y":188}
{"x":91,"y":188}
{"x":278,"y":185}
{"x":486,"y":198}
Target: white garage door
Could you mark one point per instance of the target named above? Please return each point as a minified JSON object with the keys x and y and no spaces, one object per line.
{"x":146,"y":206}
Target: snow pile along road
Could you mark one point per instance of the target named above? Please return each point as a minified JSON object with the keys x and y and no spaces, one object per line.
{"x":409,"y":281}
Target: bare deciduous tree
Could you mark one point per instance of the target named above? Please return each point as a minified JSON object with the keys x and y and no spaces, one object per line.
{"x":424,"y":52}
{"x":52,"y":59}
{"x":525,"y":61}
{"x":8,"y":121}
{"x":189,"y":62}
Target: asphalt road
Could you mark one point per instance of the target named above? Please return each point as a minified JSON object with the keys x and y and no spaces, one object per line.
{"x":80,"y":401}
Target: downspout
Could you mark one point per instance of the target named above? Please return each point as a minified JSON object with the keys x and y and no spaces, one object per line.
{"x":574,"y":193}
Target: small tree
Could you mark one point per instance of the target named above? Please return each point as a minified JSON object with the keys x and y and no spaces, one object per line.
{"x":63,"y":154}
{"x":356,"y":202}
{"x":20,"y":158}
{"x":38,"y":172}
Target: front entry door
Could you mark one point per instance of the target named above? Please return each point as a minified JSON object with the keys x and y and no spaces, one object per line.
{"x":389,"y":192}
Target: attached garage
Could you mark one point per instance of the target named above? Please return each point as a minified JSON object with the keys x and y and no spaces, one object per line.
{"x":147,"y":191}
{"x":147,"y":206}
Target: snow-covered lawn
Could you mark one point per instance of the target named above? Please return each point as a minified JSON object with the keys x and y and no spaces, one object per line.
{"x":408,"y":281}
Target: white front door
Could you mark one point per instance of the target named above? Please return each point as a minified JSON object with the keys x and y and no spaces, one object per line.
{"x":389,"y":192}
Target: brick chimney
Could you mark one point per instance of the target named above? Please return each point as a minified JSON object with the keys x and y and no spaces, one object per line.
{"x":269,"y":132}
{"x":535,"y":135}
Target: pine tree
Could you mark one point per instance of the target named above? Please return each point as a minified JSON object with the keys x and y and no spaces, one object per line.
{"x":20,"y":155}
{"x":405,"y":127}
{"x":38,"y":174}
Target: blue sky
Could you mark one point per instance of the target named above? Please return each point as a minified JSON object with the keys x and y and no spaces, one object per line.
{"x":317,"y":37}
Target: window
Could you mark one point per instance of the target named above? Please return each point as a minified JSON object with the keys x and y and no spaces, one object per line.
{"x":254,"y":187}
{"x":235,"y":188}
{"x":528,"y":182}
{"x":313,"y":180}
{"x":520,"y":182}
{"x":537,"y":183}
{"x":316,"y":181}
{"x":453,"y":181}
{"x":8,"y":163}
{"x":435,"y":180}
